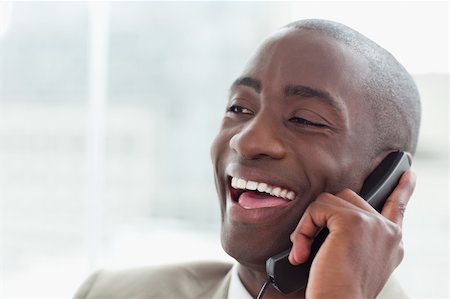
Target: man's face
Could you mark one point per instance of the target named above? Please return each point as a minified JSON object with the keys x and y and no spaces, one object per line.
{"x":293,"y":129}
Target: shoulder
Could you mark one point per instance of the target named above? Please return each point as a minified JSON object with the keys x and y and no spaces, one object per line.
{"x":187,"y":280}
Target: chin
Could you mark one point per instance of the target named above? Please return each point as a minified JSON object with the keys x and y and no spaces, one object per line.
{"x":251,"y":248}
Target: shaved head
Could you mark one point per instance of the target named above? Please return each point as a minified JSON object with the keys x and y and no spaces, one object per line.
{"x":388,"y":88}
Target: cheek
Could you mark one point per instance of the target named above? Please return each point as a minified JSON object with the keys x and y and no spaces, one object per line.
{"x":323,"y":172}
{"x":340,"y":171}
{"x":325,"y":164}
{"x":213,"y":151}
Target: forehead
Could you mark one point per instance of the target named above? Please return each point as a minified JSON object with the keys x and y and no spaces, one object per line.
{"x":308,"y":58}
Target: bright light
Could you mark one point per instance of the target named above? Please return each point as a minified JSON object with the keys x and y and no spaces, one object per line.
{"x":416,"y":33}
{"x":5,"y":17}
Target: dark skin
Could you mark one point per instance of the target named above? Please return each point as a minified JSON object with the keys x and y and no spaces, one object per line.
{"x":296,"y":119}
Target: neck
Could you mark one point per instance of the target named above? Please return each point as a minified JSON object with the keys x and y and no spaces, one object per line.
{"x":253,"y":280}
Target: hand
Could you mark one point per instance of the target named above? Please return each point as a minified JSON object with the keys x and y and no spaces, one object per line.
{"x":363,"y":247}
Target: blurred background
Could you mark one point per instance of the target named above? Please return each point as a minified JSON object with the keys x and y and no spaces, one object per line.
{"x":107,"y":112}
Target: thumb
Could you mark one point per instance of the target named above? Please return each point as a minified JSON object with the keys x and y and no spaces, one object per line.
{"x":395,"y":206}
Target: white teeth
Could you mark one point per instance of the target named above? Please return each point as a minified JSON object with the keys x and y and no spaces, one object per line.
{"x":241,"y":184}
{"x":238,"y":183}
{"x":290,"y":195}
{"x":234,"y":182}
{"x":276,"y":191}
{"x":251,"y":185}
{"x":262,"y":187}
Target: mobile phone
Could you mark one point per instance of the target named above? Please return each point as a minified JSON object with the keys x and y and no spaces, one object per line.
{"x":377,"y":187}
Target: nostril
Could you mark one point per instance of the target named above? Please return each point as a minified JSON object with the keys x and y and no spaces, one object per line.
{"x":233,"y":143}
{"x":260,"y":137}
{"x":254,"y":147}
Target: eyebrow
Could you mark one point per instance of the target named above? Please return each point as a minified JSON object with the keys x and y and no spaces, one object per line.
{"x":292,"y":90}
{"x":309,"y":92}
{"x":247,"y":81}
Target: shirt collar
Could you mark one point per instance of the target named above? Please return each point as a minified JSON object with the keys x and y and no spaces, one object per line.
{"x":237,"y":289}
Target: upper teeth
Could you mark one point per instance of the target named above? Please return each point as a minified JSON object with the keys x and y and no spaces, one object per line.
{"x":239,"y":183}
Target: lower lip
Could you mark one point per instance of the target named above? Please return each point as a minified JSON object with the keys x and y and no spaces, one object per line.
{"x":254,"y":209}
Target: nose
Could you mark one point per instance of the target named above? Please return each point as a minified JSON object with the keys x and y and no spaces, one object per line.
{"x":259,"y":138}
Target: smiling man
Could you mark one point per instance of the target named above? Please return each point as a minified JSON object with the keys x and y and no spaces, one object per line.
{"x":315,"y":110}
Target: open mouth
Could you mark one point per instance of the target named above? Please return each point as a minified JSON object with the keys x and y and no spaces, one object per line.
{"x":255,"y":195}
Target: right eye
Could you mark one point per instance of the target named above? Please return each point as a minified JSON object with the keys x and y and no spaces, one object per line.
{"x":239,"y":110}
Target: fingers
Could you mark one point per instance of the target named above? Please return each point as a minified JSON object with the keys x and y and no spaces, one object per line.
{"x":352,"y":198}
{"x":346,"y":208}
{"x":300,"y":249}
{"x":316,"y":217}
{"x":302,"y":238}
{"x":395,"y":206}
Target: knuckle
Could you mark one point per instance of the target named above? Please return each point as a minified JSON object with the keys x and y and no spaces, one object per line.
{"x":324,"y":197}
{"x":360,"y":220}
{"x":395,"y":233}
{"x":345,"y":193}
{"x":398,"y":234}
{"x":312,"y":207}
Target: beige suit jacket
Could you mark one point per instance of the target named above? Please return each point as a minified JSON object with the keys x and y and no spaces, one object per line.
{"x":200,"y":280}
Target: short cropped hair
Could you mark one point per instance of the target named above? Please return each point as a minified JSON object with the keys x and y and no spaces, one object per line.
{"x":390,"y":90}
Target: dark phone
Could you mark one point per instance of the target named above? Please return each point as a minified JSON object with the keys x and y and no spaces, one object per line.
{"x":288,"y":278}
